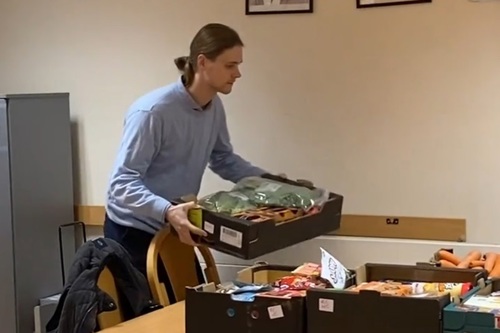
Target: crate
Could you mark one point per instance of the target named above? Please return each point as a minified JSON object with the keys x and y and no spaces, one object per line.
{"x":459,"y":320}
{"x":208,"y":311}
{"x":248,"y":240}
{"x":370,"y":311}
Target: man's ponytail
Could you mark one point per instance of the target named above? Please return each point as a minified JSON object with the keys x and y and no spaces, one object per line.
{"x":186,"y":68}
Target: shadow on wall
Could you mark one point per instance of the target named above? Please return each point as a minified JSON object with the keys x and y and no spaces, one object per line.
{"x":92,"y":232}
{"x":72,"y":236}
{"x":75,"y":146}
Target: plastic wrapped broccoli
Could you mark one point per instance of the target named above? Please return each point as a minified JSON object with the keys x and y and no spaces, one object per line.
{"x":254,"y":192}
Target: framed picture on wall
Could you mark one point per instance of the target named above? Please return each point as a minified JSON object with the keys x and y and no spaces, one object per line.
{"x":254,"y":7}
{"x":381,"y":3}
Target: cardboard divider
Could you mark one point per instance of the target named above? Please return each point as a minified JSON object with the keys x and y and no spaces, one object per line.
{"x":419,"y":273}
{"x":263,"y":273}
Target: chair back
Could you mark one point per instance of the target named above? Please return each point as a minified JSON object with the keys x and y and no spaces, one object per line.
{"x":178,"y":260}
{"x":106,"y":283}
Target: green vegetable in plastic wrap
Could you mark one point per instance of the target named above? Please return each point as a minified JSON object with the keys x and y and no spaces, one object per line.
{"x":226,"y":202}
{"x":254,"y":192}
{"x":267,"y":192}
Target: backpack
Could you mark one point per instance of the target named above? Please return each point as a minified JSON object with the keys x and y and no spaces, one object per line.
{"x":82,"y":300}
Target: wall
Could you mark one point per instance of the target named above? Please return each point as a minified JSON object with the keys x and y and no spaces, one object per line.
{"x":396,"y":108}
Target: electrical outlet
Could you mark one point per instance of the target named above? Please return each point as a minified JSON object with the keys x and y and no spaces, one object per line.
{"x":392,"y":221}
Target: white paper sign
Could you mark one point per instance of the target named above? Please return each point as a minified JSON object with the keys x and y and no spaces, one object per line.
{"x":325,"y":305}
{"x":332,"y":270}
{"x":275,"y":312}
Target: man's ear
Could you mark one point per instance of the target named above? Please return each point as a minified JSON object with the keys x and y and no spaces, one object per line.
{"x":201,"y":61}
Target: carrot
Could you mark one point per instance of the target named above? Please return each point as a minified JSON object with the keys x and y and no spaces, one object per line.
{"x":447,"y":264}
{"x":472,"y":255}
{"x":489,"y":263}
{"x":477,"y":263}
{"x":495,"y":271}
{"x":448,"y":256}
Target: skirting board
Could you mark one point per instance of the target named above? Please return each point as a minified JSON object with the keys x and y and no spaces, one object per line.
{"x":440,"y":229}
{"x":90,"y":215}
{"x":400,"y":227}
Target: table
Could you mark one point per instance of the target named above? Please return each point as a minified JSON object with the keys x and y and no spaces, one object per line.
{"x":170,"y":319}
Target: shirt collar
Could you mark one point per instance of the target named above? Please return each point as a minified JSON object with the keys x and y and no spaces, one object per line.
{"x":182,"y":90}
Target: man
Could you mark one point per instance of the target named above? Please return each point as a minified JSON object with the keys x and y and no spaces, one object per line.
{"x":170,"y":136}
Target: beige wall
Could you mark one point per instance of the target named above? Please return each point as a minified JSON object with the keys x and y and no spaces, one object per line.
{"x":396,"y":108}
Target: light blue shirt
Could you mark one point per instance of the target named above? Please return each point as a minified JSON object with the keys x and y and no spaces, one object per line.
{"x":168,"y":142}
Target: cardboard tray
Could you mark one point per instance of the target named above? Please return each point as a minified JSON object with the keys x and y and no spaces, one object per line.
{"x":208,"y":311}
{"x":370,"y":311}
{"x":249,"y":240}
{"x":457,"y":320}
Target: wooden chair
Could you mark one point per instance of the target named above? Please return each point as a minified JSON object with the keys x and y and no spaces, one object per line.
{"x":106,"y":283}
{"x":179,"y":262}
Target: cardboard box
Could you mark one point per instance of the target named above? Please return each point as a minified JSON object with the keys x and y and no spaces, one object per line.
{"x":209,"y":311}
{"x":370,"y":311}
{"x":249,"y":240}
{"x":458,"y":319}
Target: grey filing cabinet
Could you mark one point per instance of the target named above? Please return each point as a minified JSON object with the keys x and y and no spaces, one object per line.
{"x":36,"y":196}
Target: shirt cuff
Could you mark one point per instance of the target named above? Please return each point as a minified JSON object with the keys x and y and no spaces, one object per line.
{"x":160,"y":208}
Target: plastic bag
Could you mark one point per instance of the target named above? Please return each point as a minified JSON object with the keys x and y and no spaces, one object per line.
{"x":268,"y":192}
{"x":254,"y":192}
{"x":226,"y":202}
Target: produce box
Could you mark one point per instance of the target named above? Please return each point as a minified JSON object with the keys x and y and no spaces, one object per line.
{"x":261,"y":215}
{"x":479,"y":312}
{"x":391,"y":299}
{"x":265,"y":298}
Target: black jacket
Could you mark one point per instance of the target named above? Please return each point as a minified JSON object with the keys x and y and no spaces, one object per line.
{"x":82,"y":300}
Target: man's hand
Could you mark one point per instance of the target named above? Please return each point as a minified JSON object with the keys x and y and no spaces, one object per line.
{"x":304,"y":182}
{"x":177,"y":216}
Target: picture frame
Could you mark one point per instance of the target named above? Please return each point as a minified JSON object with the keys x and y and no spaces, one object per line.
{"x":261,"y":7}
{"x":385,"y":3}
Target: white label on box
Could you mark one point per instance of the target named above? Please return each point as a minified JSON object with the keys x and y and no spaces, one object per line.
{"x":209,"y":227}
{"x":326,"y":305}
{"x":231,"y":237}
{"x":275,"y":312}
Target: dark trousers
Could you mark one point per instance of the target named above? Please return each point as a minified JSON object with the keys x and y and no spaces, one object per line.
{"x":136,"y":243}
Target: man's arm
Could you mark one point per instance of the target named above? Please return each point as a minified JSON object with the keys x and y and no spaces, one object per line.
{"x":141,"y":142}
{"x":226,"y":163}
